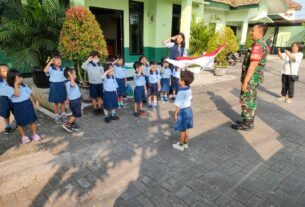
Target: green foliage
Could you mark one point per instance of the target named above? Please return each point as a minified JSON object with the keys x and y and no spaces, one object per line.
{"x":10,"y":8}
{"x":31,"y":36}
{"x":249,"y":41}
{"x":225,"y":36}
{"x":80,"y":35}
{"x":201,"y":32}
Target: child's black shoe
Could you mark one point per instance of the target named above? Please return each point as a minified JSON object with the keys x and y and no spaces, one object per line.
{"x":8,"y":130}
{"x":107,"y":119}
{"x":114,"y":117}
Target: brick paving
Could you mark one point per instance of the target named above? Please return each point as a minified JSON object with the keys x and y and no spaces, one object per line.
{"x":130,"y":162}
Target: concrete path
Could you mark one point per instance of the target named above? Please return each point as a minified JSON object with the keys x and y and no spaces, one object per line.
{"x":130,"y":162}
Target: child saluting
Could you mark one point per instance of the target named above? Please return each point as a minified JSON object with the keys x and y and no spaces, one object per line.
{"x":183,"y":113}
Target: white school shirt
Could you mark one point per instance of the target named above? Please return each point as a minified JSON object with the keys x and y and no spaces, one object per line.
{"x":95,"y":72}
{"x":167,"y":72}
{"x":176,"y":74}
{"x":55,"y":75}
{"x":110,"y":84}
{"x":292,"y":67}
{"x":73,"y":92}
{"x":184,"y":97}
{"x":24,"y":93}
{"x":119,"y":71}
{"x":139,"y":80}
{"x":4,"y":87}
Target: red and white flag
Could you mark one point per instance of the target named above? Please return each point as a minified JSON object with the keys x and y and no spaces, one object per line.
{"x":204,"y":60}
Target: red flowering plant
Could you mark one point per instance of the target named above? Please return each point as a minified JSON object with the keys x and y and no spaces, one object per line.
{"x":80,"y":35}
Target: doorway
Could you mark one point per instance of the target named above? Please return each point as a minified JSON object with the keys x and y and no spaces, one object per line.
{"x":111,"y":22}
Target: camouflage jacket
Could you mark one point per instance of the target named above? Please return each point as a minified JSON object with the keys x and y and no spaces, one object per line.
{"x":257,"y":52}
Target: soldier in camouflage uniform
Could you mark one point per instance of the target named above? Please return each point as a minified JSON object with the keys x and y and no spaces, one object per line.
{"x":252,"y":75}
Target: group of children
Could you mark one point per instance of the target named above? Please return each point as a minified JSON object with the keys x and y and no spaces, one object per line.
{"x":15,"y":97}
{"x":107,"y":91}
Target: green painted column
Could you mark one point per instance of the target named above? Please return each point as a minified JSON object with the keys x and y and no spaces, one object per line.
{"x":244,"y":32}
{"x":186,"y":18}
{"x":77,"y":2}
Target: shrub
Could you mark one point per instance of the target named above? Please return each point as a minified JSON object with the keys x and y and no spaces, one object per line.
{"x":225,"y":36}
{"x":201,"y":32}
{"x":32,"y":34}
{"x":80,"y":35}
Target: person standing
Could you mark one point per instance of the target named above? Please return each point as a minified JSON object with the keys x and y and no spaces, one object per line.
{"x":252,"y":75}
{"x":290,"y":70}
{"x":177,"y":47}
{"x":269,"y":44}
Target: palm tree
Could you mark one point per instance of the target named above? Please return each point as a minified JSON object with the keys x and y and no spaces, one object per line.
{"x":30,"y":38}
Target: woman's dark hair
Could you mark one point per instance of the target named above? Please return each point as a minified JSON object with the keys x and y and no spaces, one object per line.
{"x":187,"y":76}
{"x":108,"y":66}
{"x":298,"y":44}
{"x":11,"y":76}
{"x":67,"y":70}
{"x":137,"y":65}
{"x":95,"y":53}
{"x":141,"y":57}
{"x":183,"y":37}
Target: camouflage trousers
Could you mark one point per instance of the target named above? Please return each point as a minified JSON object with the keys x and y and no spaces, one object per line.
{"x":248,"y":104}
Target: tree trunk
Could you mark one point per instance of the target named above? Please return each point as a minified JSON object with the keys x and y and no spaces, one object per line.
{"x":80,"y":75}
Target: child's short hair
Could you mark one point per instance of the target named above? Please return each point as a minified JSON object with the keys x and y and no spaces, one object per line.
{"x":298,"y":44}
{"x":11,"y":76}
{"x":108,"y":66}
{"x":95,"y":53}
{"x":67,"y":70}
{"x":56,"y":54}
{"x":187,"y":76}
{"x":263,"y":26}
{"x":137,"y":64}
{"x":119,"y":57}
{"x":163,"y":60}
{"x":152,"y":62}
{"x":141,"y":57}
{"x":3,"y":65}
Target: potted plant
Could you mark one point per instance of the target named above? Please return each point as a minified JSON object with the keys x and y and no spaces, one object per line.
{"x":80,"y":35}
{"x":225,"y":36}
{"x":29,"y":36}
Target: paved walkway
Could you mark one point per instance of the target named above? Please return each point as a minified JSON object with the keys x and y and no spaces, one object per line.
{"x":131,"y":163}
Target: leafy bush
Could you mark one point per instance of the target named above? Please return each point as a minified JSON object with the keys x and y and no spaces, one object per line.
{"x":201,"y":32}
{"x":80,"y":35}
{"x":249,"y":41}
{"x":225,"y":36}
{"x":31,"y":36}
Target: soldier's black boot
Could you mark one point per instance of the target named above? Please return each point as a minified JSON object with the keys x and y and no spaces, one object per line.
{"x":243,"y":125}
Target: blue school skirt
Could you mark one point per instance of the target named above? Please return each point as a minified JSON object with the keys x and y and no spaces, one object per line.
{"x":165,"y":87}
{"x":6,"y":107}
{"x":152,"y":89}
{"x":175,"y":83}
{"x":139,"y":94}
{"x":96,"y":90}
{"x":24,"y":113}
{"x":110,"y":100}
{"x":121,"y":90}
{"x":185,"y":119}
{"x":58,"y":92}
{"x":76,"y":107}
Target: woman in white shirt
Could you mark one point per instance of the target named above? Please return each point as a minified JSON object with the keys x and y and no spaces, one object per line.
{"x":290,"y":70}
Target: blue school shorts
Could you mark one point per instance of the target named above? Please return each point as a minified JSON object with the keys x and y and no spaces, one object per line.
{"x":185,"y":119}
